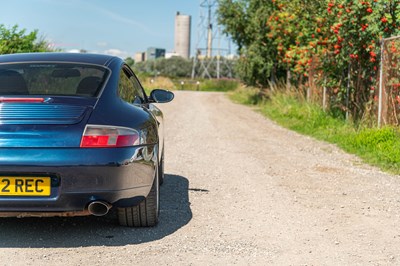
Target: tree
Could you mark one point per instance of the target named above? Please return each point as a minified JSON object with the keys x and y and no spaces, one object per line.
{"x":288,"y":36}
{"x":175,"y":66}
{"x":356,"y":29}
{"x":130,"y":61}
{"x":14,"y":40}
{"x":245,"y":21}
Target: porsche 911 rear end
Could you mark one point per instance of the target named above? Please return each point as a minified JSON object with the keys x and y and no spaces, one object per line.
{"x":62,"y":152}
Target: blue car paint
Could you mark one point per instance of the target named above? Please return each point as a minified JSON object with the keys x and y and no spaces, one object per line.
{"x":120,"y":176}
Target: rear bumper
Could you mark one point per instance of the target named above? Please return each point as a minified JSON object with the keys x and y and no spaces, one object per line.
{"x":122,"y":177}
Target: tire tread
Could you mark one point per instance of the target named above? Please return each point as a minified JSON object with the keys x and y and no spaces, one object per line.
{"x":145,"y":214}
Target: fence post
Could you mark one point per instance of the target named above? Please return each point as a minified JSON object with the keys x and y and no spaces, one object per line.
{"x":348,"y":93}
{"x":380,"y":85}
{"x":324,"y":96}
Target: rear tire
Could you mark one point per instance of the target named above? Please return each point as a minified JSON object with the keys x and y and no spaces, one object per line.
{"x":146,"y":213}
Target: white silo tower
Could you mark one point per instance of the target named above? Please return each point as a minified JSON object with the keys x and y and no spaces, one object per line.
{"x":182,"y":35}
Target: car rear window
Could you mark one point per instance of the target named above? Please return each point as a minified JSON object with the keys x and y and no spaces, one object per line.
{"x":70,"y":79}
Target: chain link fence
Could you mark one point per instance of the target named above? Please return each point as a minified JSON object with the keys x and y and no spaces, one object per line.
{"x":389,"y":83}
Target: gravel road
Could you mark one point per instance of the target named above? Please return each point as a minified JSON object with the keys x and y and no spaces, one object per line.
{"x":239,"y":190}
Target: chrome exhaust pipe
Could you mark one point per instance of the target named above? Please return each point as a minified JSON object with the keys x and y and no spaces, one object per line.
{"x":99,"y":208}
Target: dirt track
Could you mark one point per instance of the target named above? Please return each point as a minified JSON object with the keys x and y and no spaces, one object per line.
{"x":239,"y":190}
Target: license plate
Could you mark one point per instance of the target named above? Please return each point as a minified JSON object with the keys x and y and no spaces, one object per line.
{"x":25,"y":186}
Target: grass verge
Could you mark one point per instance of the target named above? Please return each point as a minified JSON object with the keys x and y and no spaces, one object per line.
{"x":222,"y":85}
{"x":378,"y":147}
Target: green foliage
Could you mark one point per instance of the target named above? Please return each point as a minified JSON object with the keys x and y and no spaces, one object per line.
{"x":234,"y":16}
{"x":219,"y":85}
{"x":379,"y":147}
{"x":179,"y":67}
{"x":15,"y":40}
{"x":355,"y":30}
{"x":129,"y":61}
{"x":306,"y":118}
{"x":336,"y":38}
{"x":222,"y":85}
{"x":172,"y":67}
{"x":246,"y":95}
{"x":245,"y":21}
{"x":226,"y":68}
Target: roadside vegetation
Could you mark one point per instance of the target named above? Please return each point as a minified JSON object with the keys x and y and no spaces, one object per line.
{"x":295,"y":53}
{"x":16,"y":40}
{"x":219,"y":85}
{"x":378,"y":147}
{"x":179,"y":67}
{"x":329,"y":43}
{"x":175,"y":73}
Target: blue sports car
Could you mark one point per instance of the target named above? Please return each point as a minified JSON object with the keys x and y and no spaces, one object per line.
{"x":79,"y":136}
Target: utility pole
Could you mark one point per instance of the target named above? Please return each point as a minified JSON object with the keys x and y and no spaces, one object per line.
{"x":209,"y":35}
{"x":207,"y":57}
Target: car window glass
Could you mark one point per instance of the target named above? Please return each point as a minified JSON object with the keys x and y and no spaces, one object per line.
{"x":127,"y":90}
{"x":51,"y":79}
{"x":138,"y":88}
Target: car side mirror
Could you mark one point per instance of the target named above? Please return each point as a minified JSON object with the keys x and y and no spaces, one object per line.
{"x":161,"y":96}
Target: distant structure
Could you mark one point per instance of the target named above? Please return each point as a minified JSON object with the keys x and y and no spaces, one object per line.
{"x":154,"y":53}
{"x":208,"y":56}
{"x":140,"y":57}
{"x":182,"y":35}
{"x":171,"y":54}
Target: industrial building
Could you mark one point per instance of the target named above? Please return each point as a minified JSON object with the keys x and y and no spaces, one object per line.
{"x":154,"y":53}
{"x":182,"y":35}
{"x":140,"y":57}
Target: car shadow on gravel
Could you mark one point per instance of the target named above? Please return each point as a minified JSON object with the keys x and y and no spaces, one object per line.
{"x":72,"y":232}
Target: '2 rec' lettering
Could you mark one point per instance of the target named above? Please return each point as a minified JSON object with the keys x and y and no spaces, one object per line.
{"x":25,"y":186}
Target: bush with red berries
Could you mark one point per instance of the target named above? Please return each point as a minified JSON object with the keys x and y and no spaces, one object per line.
{"x":343,"y":35}
{"x":340,"y":38}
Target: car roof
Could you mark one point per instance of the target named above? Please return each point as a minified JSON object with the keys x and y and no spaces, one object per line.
{"x":98,"y":59}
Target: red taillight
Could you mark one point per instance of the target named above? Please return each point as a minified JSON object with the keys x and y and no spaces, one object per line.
{"x":21,"y":100}
{"x":109,"y":137}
